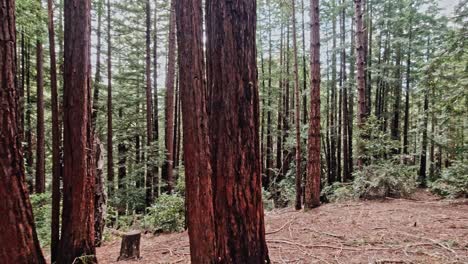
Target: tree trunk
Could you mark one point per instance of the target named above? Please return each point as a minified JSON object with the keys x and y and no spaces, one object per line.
{"x":56,"y":138}
{"x":122,"y":159}
{"x":155,"y":100}
{"x":407,"y":92}
{"x":234,"y":123}
{"x":29,"y":145}
{"x":17,"y":232}
{"x":197,"y":156}
{"x":40,"y":144}
{"x":298,"y":204}
{"x":269,"y":144}
{"x":312,"y":195}
{"x":167,"y":169}
{"x":423,"y":159}
{"x":78,"y":178}
{"x":110,"y":148}
{"x":149,"y":110}
{"x":344,"y":86}
{"x":361,"y":79}
{"x":333,"y":102}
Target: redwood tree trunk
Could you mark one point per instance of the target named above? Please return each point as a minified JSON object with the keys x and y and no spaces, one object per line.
{"x":234,"y":124}
{"x":195,"y":128}
{"x":361,"y":79}
{"x":56,"y":138}
{"x":78,"y":178}
{"x":29,"y":149}
{"x":149,"y":109}
{"x":155,"y":100}
{"x":297,"y":98}
{"x":40,"y":144}
{"x":17,"y":232}
{"x":312,"y":195}
{"x":167,"y":170}
{"x":110,"y":148}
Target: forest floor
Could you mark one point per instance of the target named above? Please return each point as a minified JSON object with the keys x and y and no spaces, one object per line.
{"x":422,"y":229}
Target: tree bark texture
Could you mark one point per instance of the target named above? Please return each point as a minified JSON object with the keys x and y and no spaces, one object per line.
{"x":78,"y":177}
{"x":40,"y":129}
{"x":234,"y":124}
{"x":197,"y":158}
{"x":17,"y":232}
{"x":312,"y":190}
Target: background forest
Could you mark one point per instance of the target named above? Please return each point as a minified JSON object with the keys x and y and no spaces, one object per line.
{"x":415,"y":62}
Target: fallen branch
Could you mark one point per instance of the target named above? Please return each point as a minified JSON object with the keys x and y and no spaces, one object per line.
{"x":281,"y":228}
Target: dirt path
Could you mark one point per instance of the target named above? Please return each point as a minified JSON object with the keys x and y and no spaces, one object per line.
{"x":423,"y":230}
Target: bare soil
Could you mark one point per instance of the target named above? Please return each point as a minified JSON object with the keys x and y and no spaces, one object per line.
{"x":423,"y":229}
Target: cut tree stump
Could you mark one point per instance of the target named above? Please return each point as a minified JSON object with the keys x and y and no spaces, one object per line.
{"x":130,"y":247}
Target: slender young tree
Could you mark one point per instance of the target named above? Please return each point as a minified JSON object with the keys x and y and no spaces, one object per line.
{"x":149,"y":108}
{"x":155,"y":98}
{"x":78,"y":177}
{"x":169,"y":112}
{"x":29,"y":140}
{"x":56,"y":138}
{"x":234,"y":131}
{"x":312,"y":190}
{"x":17,"y":232}
{"x":344,"y":87}
{"x":361,"y":78}
{"x":40,"y":129}
{"x":195,"y":127}
{"x":298,"y":204}
{"x":110,"y":148}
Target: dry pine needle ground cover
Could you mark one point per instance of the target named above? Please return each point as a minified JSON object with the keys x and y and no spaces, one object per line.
{"x":423,"y":229}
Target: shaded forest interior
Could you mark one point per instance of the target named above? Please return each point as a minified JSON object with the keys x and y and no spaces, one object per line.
{"x":225,"y":131}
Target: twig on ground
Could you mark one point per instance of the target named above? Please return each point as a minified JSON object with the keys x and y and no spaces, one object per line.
{"x":281,"y":228}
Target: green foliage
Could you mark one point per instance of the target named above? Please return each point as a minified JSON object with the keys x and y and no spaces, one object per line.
{"x":454,"y":181}
{"x":166,"y":215}
{"x":338,"y":192}
{"x":42,"y":210}
{"x":384,"y":179}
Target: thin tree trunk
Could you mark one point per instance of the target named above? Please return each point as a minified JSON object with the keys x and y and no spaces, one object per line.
{"x":149,"y":110}
{"x":78,"y":178}
{"x":29,"y":145}
{"x":269,"y":145}
{"x":395,"y":127}
{"x":361,"y":79}
{"x":352,"y":64}
{"x":40,"y":130}
{"x":195,"y":125}
{"x":122,"y":159}
{"x":110,"y":148}
{"x":279,"y":142}
{"x":298,"y":204}
{"x":333,"y":111}
{"x":407,"y":92}
{"x":56,"y":138}
{"x":155,"y":99}
{"x":17,"y":232}
{"x":312,"y":195}
{"x":234,"y":125}
{"x":344,"y":86}
{"x":167,"y":170}
{"x":304,"y":70}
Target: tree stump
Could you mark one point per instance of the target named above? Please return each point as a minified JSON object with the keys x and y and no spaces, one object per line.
{"x":130,"y":247}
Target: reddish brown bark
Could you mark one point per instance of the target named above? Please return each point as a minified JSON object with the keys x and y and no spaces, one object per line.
{"x":168,"y":176}
{"x":56,"y":138}
{"x":234,"y":128}
{"x":195,"y":127}
{"x":29,"y":150}
{"x":361,"y":78}
{"x":40,"y":130}
{"x":17,"y":232}
{"x":78,"y":177}
{"x":297,"y":98}
{"x":312,"y":195}
{"x":149,"y":108}
{"x":155,"y":99}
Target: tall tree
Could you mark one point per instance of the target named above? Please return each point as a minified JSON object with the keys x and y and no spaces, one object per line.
{"x":297,"y":98}
{"x":149,"y":108}
{"x":110,"y":148}
{"x":361,"y":78}
{"x":195,"y":127}
{"x":344,"y":86}
{"x":234,"y":137}
{"x":29,"y":139}
{"x":169,"y":112}
{"x":312,"y":190}
{"x":155,"y":98}
{"x":78,"y":176}
{"x":40,"y":128}
{"x":17,"y":232}
{"x":56,"y":137}
{"x":269,"y":145}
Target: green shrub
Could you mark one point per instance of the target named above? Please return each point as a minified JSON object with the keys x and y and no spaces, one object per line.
{"x":166,"y":215}
{"x":384,"y":179}
{"x":338,"y":192}
{"x":453,"y":182}
{"x":42,"y":210}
